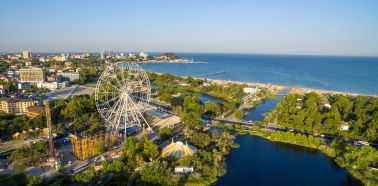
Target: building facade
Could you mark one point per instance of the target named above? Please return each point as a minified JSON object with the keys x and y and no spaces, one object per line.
{"x":91,"y":145}
{"x":27,"y":54}
{"x":32,"y":75}
{"x":16,"y":106}
{"x":69,"y":76}
{"x":34,"y":111}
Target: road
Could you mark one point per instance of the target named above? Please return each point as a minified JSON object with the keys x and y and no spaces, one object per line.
{"x":274,"y":128}
{"x":277,"y":128}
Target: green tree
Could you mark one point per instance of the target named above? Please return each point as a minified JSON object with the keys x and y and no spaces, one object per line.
{"x":192,"y":120}
{"x":239,"y":114}
{"x":165,"y":133}
{"x":158,"y":173}
{"x":150,"y":150}
{"x":213,"y":108}
{"x":200,"y":139}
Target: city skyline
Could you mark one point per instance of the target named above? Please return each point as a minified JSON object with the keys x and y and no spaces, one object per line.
{"x":287,"y":27}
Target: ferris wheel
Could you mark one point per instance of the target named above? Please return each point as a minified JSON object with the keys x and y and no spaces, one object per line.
{"x":122,"y":94}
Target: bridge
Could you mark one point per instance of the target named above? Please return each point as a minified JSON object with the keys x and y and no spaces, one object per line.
{"x":90,"y":89}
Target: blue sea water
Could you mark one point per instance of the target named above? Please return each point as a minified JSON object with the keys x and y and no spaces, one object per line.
{"x":350,"y":74}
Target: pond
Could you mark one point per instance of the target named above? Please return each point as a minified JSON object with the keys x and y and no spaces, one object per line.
{"x":206,"y":98}
{"x":262,"y":162}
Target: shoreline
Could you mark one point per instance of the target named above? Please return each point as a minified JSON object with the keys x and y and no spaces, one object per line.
{"x":277,"y":88}
{"x":325,"y":149}
{"x":172,"y":62}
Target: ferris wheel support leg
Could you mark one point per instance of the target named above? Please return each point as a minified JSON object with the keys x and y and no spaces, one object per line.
{"x":126,"y":122}
{"x":140,"y":114}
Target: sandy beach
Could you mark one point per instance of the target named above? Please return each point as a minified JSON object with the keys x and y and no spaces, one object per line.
{"x":277,"y":88}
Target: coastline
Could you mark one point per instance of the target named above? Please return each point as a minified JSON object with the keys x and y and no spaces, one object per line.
{"x":163,"y":62}
{"x":277,"y":88}
{"x":298,"y":90}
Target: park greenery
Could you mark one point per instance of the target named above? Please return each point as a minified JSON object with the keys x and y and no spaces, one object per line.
{"x":21,"y":179}
{"x":165,"y":133}
{"x":359,"y":161}
{"x":28,"y":156}
{"x":181,"y":94}
{"x":309,"y":113}
{"x":9,"y":86}
{"x":79,"y":114}
{"x":10,"y":124}
{"x":141,"y":163}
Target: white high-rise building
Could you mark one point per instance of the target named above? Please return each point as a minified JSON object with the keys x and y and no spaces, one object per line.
{"x":27,"y":54}
{"x":143,"y":55}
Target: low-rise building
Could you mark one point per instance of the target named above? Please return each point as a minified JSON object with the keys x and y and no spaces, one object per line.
{"x":251,"y":90}
{"x":28,"y":63}
{"x":3,"y":91}
{"x":143,"y":55}
{"x":68,"y":63}
{"x":183,"y":170}
{"x":327,"y":106}
{"x":299,"y":103}
{"x":48,"y":85}
{"x":69,"y":76}
{"x":23,"y":85}
{"x":34,"y":111}
{"x":344,"y":126}
{"x":17,"y":106}
{"x":53,"y":78}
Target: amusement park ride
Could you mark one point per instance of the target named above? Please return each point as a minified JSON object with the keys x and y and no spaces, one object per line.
{"x":122,"y":94}
{"x":52,"y":161}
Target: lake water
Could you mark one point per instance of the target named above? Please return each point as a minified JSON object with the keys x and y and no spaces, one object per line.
{"x":261,"y":162}
{"x":352,"y":74}
{"x":206,"y":98}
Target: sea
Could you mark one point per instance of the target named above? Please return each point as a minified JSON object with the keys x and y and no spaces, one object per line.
{"x":337,"y":73}
{"x":259,"y":161}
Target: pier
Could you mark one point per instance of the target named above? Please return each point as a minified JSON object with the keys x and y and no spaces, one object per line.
{"x":212,"y":74}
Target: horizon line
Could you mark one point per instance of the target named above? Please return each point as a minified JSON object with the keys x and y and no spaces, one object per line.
{"x":242,"y":53}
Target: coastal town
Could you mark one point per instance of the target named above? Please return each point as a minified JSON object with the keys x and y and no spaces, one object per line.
{"x":52,"y":108}
{"x":41,"y":117}
{"x":188,"y":93}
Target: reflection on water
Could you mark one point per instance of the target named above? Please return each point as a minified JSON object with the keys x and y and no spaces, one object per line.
{"x":257,"y":113}
{"x":261,"y":162}
{"x":206,"y":98}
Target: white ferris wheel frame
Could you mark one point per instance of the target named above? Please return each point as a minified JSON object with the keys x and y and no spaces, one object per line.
{"x":122,"y":93}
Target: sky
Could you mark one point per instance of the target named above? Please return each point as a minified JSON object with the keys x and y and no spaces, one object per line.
{"x":314,"y":27}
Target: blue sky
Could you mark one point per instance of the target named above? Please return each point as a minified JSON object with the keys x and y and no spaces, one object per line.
{"x":336,"y":27}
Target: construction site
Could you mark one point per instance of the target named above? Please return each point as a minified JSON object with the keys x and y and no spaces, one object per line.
{"x":92,"y":145}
